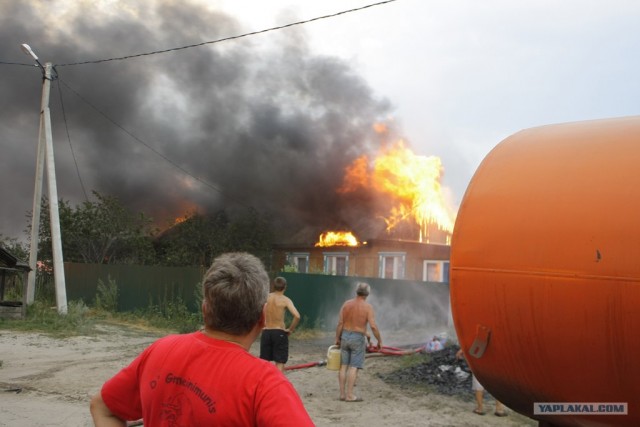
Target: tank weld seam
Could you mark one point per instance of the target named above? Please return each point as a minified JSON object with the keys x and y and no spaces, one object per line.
{"x":549,"y":273}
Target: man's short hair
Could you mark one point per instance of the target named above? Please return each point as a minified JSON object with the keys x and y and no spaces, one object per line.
{"x":279,"y":283}
{"x":234,"y":290}
{"x":363,"y":289}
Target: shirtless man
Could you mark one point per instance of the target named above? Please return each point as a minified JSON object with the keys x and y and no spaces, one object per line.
{"x":274,"y":342}
{"x":351,"y":334}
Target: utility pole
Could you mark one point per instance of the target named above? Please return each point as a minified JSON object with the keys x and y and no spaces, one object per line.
{"x":45,"y":155}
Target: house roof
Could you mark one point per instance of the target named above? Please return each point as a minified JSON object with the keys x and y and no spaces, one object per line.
{"x":10,"y":262}
{"x":367,"y":243}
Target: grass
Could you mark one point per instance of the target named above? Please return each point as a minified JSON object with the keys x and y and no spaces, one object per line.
{"x":168,"y":314}
{"x":80,"y":319}
{"x":165,"y":313}
{"x":165,"y":317}
{"x":304,"y":333}
{"x":412,"y":360}
{"x":43,"y":317}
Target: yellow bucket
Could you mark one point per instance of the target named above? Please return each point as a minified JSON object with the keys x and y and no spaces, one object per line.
{"x":333,"y":358}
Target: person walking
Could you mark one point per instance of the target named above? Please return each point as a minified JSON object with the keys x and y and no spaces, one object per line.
{"x":274,"y":341}
{"x":208,"y":377}
{"x":355,"y":315}
{"x":478,"y":391}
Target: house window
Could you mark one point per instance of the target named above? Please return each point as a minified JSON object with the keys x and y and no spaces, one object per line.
{"x":391,"y":265}
{"x":336,"y":263}
{"x":435,"y":271}
{"x":300,"y":261}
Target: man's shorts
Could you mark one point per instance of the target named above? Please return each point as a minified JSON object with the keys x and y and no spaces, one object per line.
{"x":274,"y":345}
{"x":352,"y":348}
{"x":475,"y":384}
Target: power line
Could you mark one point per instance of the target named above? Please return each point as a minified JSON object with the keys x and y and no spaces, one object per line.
{"x":156,"y":152}
{"x":75,"y":161}
{"x":227,"y":38}
{"x":171,"y":50}
{"x":17,"y":63}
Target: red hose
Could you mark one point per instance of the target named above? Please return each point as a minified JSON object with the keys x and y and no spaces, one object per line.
{"x":393,"y":351}
{"x":305,"y":365}
{"x":384,"y":351}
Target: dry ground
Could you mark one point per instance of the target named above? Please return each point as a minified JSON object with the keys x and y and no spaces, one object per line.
{"x":47,"y":381}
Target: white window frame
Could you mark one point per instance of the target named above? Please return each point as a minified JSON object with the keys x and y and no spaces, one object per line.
{"x":330,"y":262}
{"x":399,"y":262}
{"x":443,"y":267}
{"x":294,"y":257}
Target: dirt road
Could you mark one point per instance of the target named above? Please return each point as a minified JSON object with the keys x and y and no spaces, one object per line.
{"x":47,"y":381}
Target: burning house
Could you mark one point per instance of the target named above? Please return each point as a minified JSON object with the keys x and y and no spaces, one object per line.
{"x":383,"y":258}
{"x":413,"y":223}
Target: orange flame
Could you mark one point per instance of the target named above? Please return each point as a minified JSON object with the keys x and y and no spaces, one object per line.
{"x":180,"y":220}
{"x":337,"y":238}
{"x":412,"y":181}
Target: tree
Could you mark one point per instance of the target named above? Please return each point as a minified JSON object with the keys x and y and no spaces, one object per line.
{"x":16,"y":248}
{"x":101,"y":232}
{"x":198,"y":239}
{"x":253,"y":232}
{"x":192,"y":241}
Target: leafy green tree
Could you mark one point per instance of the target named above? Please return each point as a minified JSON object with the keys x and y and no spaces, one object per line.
{"x":16,"y":248}
{"x":191,"y":241}
{"x":101,"y":231}
{"x":252,"y":232}
{"x":198,"y":239}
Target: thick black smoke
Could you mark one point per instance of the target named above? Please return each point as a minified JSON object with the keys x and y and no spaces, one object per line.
{"x":262,"y":120}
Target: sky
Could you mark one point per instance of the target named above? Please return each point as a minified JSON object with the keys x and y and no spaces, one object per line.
{"x":270,"y":121}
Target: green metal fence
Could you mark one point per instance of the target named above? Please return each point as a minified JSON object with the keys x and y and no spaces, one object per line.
{"x":398,"y":303}
{"x":138,"y":286}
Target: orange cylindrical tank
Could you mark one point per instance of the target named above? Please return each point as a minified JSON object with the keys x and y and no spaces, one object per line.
{"x":545,"y":270}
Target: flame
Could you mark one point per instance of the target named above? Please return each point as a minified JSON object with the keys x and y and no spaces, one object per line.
{"x":337,"y":238}
{"x":412,"y":182}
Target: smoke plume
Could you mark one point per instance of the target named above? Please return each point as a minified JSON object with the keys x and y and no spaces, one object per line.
{"x":260,"y":121}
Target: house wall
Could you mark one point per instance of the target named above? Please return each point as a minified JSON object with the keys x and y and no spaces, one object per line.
{"x":364,"y":259}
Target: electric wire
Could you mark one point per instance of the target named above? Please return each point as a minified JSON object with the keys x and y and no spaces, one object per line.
{"x":253,"y":33}
{"x":306,"y":21}
{"x":66,"y":127}
{"x":153,"y":150}
{"x":175,"y":165}
{"x":17,"y":63}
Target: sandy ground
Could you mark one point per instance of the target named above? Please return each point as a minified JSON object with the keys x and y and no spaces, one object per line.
{"x":47,"y":381}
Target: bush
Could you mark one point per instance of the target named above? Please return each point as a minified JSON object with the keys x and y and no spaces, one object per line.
{"x":42,"y":317}
{"x":171,"y":312}
{"x":107,"y":296}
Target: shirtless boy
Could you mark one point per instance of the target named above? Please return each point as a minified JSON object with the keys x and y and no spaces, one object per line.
{"x":351,"y":334}
{"x":274,"y":342}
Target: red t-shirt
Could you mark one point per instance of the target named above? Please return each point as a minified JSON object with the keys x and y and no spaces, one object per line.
{"x":193,"y":380}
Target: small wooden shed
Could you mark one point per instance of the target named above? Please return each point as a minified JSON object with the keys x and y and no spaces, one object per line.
{"x":16,"y":270}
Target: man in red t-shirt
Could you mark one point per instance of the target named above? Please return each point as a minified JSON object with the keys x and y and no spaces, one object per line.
{"x":208,"y":377}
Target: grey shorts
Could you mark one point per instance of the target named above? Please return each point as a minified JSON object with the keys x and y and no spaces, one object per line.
{"x":352,"y":349}
{"x":475,"y":384}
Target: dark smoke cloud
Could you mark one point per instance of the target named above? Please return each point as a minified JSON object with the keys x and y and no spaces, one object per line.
{"x":263,"y":119}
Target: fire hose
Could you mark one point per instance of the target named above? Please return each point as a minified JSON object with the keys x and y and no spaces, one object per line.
{"x":392,"y":351}
{"x":370,"y":352}
{"x":305,"y":365}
